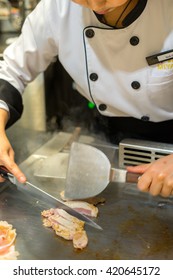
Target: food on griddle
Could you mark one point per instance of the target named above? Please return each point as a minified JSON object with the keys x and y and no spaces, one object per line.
{"x":66,"y":226}
{"x":92,"y":200}
{"x":83,"y":207}
{"x":7,"y":239}
{"x":95,"y":200}
{"x":80,"y":239}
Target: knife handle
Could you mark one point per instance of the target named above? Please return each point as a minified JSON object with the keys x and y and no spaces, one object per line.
{"x":132,"y":177}
{"x":4,"y":172}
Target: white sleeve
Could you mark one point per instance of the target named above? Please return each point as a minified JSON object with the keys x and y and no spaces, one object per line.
{"x":3,"y":105}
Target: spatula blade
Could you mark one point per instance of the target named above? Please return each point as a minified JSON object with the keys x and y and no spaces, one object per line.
{"x":87,"y":173}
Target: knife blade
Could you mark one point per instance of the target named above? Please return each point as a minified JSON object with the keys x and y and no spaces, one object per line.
{"x":51,"y":199}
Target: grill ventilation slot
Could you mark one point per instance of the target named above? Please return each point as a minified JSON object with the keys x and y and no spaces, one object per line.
{"x":134,"y":152}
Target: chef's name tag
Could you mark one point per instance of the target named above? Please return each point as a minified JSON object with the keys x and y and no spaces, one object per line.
{"x":159,"y":57}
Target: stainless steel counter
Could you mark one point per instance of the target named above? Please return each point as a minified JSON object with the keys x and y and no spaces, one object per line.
{"x":135,"y":225}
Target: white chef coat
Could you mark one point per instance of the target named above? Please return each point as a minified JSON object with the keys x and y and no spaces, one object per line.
{"x":107,"y":67}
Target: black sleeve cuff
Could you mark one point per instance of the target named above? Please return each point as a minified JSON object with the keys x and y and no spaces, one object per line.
{"x":12,"y":97}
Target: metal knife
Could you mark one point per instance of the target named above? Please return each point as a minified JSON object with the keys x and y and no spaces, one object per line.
{"x":51,"y":199}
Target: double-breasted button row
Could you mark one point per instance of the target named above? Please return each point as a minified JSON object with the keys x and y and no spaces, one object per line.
{"x":94,"y":77}
{"x":134,"y":40}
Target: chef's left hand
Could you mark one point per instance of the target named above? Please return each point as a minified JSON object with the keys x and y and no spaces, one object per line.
{"x":156,"y":177}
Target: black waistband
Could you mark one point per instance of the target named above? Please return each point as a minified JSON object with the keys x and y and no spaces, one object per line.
{"x":119,"y":128}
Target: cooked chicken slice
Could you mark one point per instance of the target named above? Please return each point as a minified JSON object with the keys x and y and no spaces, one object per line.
{"x":47,"y":213}
{"x":80,"y":239}
{"x":95,"y":200}
{"x":9,"y":254}
{"x":83,"y":207}
{"x":68,"y":217}
{"x":47,"y":223}
{"x":92,"y":200}
{"x":7,"y":239}
{"x":66,"y":226}
{"x":62,"y":217}
{"x":70,"y":225}
{"x":61,"y":230}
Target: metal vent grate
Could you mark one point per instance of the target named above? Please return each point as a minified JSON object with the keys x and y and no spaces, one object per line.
{"x":134,"y":152}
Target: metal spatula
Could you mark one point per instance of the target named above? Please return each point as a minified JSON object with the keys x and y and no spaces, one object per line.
{"x":89,"y":172}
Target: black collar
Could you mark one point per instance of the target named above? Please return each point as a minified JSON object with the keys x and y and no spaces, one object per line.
{"x":132,"y":16}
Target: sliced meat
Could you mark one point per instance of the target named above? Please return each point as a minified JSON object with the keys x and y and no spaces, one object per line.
{"x":47,"y":223}
{"x":7,"y":239}
{"x":92,"y":200}
{"x":80,"y":239}
{"x":66,"y":226}
{"x":47,"y":213}
{"x":63,"y":218}
{"x":63,"y":231}
{"x":83,"y":207}
{"x":9,"y":254}
{"x":96,"y":200}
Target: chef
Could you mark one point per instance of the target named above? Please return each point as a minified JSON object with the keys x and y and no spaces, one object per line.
{"x":120,"y":55}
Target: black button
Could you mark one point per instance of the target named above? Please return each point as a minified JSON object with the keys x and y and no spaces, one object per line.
{"x":135,"y":85}
{"x":102,"y":107}
{"x":89,"y":33}
{"x":145,"y":118}
{"x":134,"y":41}
{"x":93,"y":77}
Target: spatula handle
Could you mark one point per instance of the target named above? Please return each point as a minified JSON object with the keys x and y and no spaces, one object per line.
{"x":123,"y":176}
{"x":132,"y":177}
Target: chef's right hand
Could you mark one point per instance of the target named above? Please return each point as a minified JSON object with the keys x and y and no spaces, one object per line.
{"x":7,"y":152}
